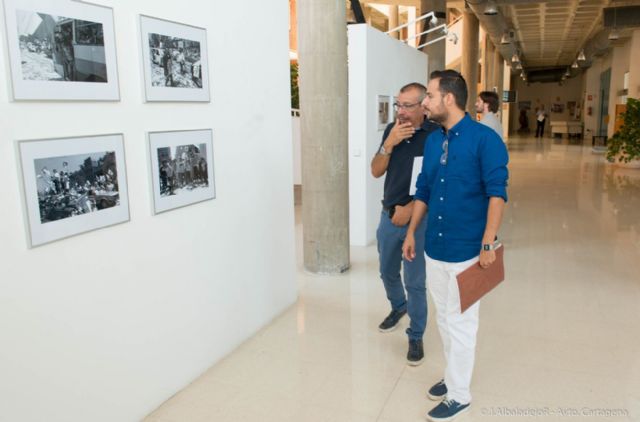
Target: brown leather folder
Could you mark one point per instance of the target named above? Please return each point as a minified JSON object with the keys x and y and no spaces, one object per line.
{"x":475,"y":281}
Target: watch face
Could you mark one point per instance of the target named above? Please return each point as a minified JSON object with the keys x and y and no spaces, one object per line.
{"x":486,"y":247}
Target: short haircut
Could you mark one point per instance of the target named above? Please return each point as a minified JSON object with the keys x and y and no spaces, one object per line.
{"x":492,"y":100}
{"x":452,"y":82}
{"x":417,"y":86}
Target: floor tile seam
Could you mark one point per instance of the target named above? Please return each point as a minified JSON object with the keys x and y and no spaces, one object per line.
{"x":395,"y":385}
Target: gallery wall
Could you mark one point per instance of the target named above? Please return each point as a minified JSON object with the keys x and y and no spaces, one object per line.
{"x":547,"y":94}
{"x":620,"y":59}
{"x":106,"y":325}
{"x":378,"y":65}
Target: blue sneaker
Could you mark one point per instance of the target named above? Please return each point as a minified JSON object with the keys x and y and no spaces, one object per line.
{"x":437,"y":391}
{"x":447,"y":410}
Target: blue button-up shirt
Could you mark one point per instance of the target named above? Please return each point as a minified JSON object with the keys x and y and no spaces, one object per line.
{"x":457,"y":192}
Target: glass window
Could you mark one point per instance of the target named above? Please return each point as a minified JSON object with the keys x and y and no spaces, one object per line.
{"x":89,"y":33}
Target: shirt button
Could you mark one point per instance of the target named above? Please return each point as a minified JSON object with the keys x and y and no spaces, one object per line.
{"x":441,"y":198}
{"x":439,"y":217}
{"x":440,"y":234}
{"x":442,"y":180}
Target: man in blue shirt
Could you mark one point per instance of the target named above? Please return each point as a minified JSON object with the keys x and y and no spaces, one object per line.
{"x":463,"y":186}
{"x":402,"y":141}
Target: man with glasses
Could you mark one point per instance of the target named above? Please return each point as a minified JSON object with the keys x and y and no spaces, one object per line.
{"x":402,"y":141}
{"x":463,"y":185}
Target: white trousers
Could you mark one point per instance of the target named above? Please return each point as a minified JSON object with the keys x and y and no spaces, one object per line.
{"x":458,"y":331}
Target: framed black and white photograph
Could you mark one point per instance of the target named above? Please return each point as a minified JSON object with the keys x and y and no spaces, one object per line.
{"x":181,"y":168}
{"x":175,"y":61}
{"x":61,"y":50}
{"x":395,"y":110}
{"x":73,"y":185}
{"x":383,"y":111}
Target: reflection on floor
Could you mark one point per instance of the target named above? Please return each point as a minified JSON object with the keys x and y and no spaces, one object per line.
{"x":560,"y":338}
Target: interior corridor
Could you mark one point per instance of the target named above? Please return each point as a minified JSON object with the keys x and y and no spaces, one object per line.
{"x":560,"y":337}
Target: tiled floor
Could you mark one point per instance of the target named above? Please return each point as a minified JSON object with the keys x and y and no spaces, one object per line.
{"x":560,"y":338}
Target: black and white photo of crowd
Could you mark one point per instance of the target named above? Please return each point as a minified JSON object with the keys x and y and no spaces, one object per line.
{"x":57,"y":48}
{"x":175,"y":62}
{"x":182,"y":169}
{"x":76,"y":184}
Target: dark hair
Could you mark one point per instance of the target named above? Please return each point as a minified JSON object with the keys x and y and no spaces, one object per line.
{"x":491,"y":98}
{"x":452,"y":82}
{"x":417,"y":86}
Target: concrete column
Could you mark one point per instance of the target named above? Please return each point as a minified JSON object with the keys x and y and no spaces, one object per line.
{"x":487,"y":64}
{"x":634,"y":65}
{"x":469,"y":64}
{"x":411,"y":29}
{"x":498,"y":72}
{"x":394,"y":13}
{"x":436,"y":51}
{"x":322,"y":51}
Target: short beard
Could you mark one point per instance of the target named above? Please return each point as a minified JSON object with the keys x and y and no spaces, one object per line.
{"x":438,"y":118}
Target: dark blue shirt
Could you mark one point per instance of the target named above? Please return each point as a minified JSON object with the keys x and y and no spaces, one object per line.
{"x":457,"y":193}
{"x":398,"y":179}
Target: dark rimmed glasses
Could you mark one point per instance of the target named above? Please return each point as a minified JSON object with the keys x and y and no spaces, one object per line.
{"x":398,"y":106}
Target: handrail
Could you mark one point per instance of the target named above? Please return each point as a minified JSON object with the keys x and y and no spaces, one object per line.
{"x":423,"y":17}
{"x":443,"y":26}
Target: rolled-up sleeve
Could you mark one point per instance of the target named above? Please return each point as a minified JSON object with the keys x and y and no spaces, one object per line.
{"x":494,"y":159}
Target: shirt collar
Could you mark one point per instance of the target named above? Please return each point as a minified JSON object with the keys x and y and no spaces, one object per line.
{"x":458,"y":127}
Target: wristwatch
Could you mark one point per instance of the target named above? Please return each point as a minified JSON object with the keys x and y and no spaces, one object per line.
{"x":383,"y":151}
{"x":488,"y":247}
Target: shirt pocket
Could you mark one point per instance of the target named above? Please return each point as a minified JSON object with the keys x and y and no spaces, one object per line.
{"x":463,"y":167}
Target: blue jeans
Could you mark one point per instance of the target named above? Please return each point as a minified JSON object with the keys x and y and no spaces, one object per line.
{"x":390,"y":239}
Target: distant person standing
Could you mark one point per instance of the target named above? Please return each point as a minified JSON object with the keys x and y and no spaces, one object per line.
{"x":541,"y":117}
{"x":167,"y":65}
{"x":488,"y":104}
{"x":68,"y":55}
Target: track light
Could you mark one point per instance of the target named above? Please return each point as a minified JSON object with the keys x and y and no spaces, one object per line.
{"x":614,"y":35}
{"x":575,"y":64}
{"x":507,"y":37}
{"x":515,"y":58}
{"x":567,"y":73}
{"x":490,"y":9}
{"x":518,"y":65}
{"x":581,"y":56}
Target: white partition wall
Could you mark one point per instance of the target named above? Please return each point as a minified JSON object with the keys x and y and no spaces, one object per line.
{"x":105,"y":326}
{"x":378,"y":65}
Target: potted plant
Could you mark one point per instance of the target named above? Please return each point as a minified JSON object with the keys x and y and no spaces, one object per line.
{"x":624,"y":145}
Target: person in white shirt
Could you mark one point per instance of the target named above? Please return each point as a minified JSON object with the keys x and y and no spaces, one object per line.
{"x":488,"y":104}
{"x":541,"y":117}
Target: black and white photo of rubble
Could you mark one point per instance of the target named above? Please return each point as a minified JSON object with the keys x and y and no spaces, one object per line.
{"x":175,"y":62}
{"x":182,"y":169}
{"x":73,"y":185}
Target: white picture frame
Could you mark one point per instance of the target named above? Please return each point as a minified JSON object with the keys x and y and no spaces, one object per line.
{"x":383,"y":111}
{"x":61,"y":50}
{"x":72,"y":185}
{"x":187,"y":156}
{"x":175,"y":61}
